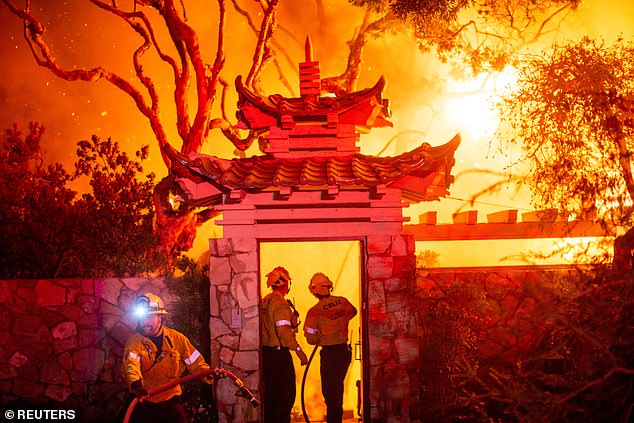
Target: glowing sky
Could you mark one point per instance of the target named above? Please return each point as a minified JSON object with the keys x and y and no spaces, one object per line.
{"x":424,"y":102}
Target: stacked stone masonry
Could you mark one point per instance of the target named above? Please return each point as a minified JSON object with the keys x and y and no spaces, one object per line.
{"x":61,"y":342}
{"x":392,"y":328}
{"x":235,"y":322}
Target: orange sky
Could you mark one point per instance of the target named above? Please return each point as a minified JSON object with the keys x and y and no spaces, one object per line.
{"x":422,"y":100}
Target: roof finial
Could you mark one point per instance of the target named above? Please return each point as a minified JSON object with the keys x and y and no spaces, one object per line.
{"x":309,"y":78}
{"x":308,"y":49}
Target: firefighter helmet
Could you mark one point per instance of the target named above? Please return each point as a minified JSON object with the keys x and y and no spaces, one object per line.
{"x":147,"y":304}
{"x":278,"y":277}
{"x":320,"y":284}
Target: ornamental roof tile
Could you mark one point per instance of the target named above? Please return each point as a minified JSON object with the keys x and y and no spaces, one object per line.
{"x":414,"y":171}
{"x":364,"y":108}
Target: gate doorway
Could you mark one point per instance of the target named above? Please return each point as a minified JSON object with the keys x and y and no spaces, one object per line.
{"x":341,"y":262}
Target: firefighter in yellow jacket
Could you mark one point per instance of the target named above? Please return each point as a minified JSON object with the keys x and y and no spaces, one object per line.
{"x":278,"y":340}
{"x":327,"y":326}
{"x":154,"y":356}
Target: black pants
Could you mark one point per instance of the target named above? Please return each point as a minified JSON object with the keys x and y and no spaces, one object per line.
{"x":335,"y":360}
{"x":279,"y":384}
{"x":170,"y":411}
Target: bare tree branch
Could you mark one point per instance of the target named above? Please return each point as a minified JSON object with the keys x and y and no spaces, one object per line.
{"x":262,"y":51}
{"x":43,"y":56}
{"x":372,"y":25}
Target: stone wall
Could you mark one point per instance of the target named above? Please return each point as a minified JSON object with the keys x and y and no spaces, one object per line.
{"x":392,"y":328}
{"x":61,"y":343}
{"x":61,"y":340}
{"x":235,"y":323}
{"x":501,"y":301}
{"x":484,"y":328}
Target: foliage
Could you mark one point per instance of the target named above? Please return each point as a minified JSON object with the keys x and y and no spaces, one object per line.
{"x":485,"y":34}
{"x":191,"y":316}
{"x":551,"y":348}
{"x":427,"y":258}
{"x":420,"y":10}
{"x":571,"y":115}
{"x":37,"y":228}
{"x":47,"y":230}
{"x":120,"y":210}
{"x":189,"y":282}
{"x":449,"y":334}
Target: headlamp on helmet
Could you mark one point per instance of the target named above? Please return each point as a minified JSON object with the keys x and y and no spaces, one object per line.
{"x":148,"y":304}
{"x":141,"y":308}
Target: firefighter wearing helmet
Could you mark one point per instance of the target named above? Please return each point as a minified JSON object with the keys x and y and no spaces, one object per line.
{"x":278,"y":340}
{"x":327,"y":326}
{"x":154,"y":356}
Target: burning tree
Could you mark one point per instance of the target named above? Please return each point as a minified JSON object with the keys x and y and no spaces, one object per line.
{"x":485,"y":32}
{"x":572,"y":114}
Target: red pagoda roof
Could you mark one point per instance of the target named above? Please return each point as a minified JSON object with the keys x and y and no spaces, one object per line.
{"x":310,"y":145}
{"x":365,"y":108}
{"x":423,"y":174}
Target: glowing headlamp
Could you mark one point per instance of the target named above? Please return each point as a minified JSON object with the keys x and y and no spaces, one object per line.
{"x":140,"y":311}
{"x":141,"y":307}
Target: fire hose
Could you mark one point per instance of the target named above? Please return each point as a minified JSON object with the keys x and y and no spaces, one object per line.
{"x":312,"y":354}
{"x":216,"y":373}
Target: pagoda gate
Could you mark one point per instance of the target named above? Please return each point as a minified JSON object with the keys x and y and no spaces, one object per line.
{"x":312,"y":184}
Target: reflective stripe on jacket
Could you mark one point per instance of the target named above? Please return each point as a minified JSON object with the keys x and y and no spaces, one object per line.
{"x":277,"y":316}
{"x":327,"y":321}
{"x":142,"y":360}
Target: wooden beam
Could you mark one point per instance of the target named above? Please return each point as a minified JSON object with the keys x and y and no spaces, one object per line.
{"x":548,"y":215}
{"x":504,"y":216}
{"x":522,"y":230}
{"x":469,"y":217}
{"x":301,"y":230}
{"x":428,"y":218}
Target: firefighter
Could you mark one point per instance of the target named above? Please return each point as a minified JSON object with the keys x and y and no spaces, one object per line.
{"x":278,"y":340}
{"x":327,"y":326}
{"x":154,"y":356}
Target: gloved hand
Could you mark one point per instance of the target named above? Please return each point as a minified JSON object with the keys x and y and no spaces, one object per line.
{"x":303,"y":360}
{"x":138,"y":389}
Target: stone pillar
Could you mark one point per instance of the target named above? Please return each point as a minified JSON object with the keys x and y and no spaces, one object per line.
{"x":235,"y":323}
{"x":391,"y":327}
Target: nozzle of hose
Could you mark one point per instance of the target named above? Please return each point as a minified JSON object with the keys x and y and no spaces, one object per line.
{"x":245,"y":392}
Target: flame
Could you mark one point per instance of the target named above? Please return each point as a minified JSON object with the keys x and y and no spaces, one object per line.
{"x":473,"y":102}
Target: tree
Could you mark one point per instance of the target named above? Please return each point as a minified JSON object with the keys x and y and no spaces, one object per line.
{"x":117,"y":226}
{"x":48,"y":230}
{"x":484,"y":34}
{"x":486,"y":31}
{"x":571,"y":114}
{"x":37,"y":226}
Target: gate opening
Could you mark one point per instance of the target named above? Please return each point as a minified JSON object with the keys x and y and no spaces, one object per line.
{"x":341,"y":262}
